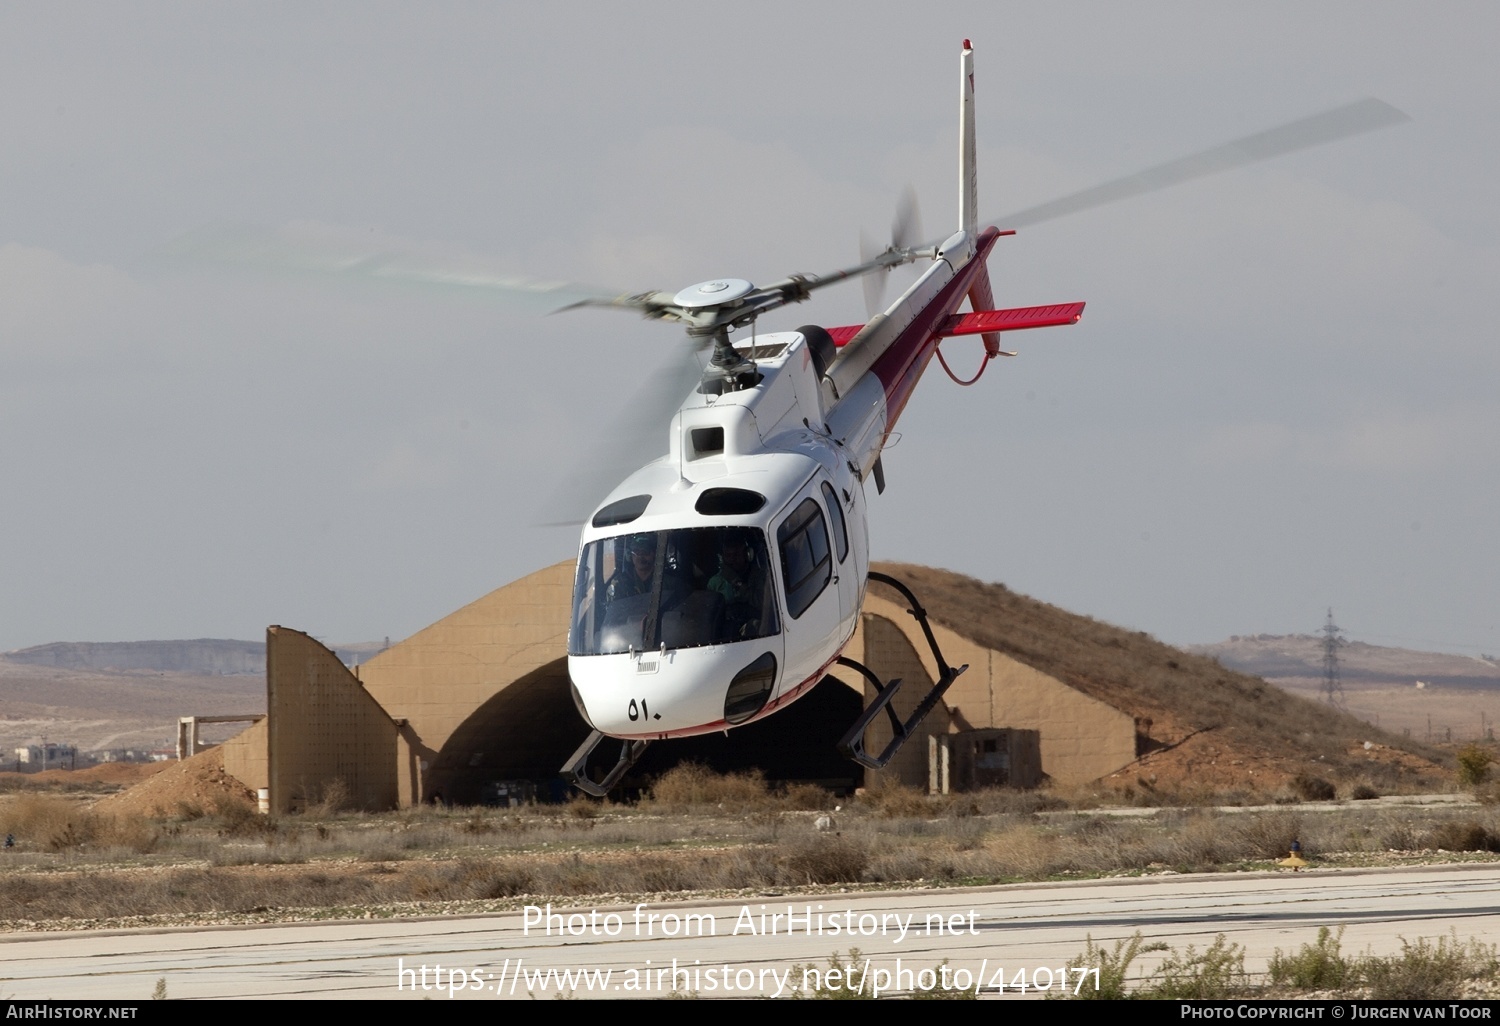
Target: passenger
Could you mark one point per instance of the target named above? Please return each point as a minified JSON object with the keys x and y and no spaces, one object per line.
{"x":742,"y":583}
{"x":634,"y":577}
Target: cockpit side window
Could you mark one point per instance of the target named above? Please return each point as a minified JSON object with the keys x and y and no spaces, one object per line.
{"x":836,"y":514}
{"x":806,"y":564}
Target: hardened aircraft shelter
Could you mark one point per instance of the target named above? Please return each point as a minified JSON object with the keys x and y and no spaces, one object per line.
{"x":481,"y":699}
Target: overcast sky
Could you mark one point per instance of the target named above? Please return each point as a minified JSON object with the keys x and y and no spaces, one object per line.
{"x":1282,"y":396}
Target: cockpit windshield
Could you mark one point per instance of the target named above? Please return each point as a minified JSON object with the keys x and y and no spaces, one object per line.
{"x":682,"y":589}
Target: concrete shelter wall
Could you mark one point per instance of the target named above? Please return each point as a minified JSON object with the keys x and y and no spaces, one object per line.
{"x":512,"y":640}
{"x":245,"y":756}
{"x":1082,"y":738}
{"x":323,"y":727}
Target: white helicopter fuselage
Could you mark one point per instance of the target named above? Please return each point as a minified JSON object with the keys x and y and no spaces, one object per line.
{"x":665,"y":645}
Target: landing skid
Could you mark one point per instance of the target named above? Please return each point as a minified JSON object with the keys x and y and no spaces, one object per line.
{"x":853,"y":743}
{"x":575,"y":770}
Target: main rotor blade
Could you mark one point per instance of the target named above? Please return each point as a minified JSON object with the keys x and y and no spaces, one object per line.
{"x":629,"y":439}
{"x":1351,"y":119}
{"x":325,"y":252}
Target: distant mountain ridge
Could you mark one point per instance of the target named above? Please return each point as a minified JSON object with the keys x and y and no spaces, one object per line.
{"x":1300,"y":656}
{"x":199,"y":656}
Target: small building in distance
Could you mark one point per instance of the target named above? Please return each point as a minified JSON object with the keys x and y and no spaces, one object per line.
{"x":49,"y":755}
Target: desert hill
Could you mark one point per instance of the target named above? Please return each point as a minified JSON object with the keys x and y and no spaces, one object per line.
{"x":1210,"y":726}
{"x":201,"y":656}
{"x":98,"y":709}
{"x":129,"y":694}
{"x":1430,"y":695}
{"x":1300,"y":656}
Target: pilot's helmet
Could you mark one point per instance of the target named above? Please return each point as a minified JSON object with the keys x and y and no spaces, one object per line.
{"x":645,"y":543}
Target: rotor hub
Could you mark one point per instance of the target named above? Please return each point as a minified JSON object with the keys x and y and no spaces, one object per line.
{"x":719,"y":292}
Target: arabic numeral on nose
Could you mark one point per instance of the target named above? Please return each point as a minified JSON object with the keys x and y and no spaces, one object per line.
{"x":633,"y":712}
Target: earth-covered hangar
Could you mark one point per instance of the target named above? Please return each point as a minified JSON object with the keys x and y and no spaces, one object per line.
{"x":482,"y":696}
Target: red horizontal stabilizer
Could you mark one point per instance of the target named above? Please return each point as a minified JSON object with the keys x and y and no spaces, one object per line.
{"x":1011,"y":320}
{"x":990,"y":320}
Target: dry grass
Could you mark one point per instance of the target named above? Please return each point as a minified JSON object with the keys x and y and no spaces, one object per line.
{"x":697,"y":833}
{"x":57,"y":824}
{"x":692,"y":786}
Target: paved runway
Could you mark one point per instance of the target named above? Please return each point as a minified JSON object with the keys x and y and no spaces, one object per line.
{"x":1026,"y":932}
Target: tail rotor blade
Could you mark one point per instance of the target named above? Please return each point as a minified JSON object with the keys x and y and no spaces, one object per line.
{"x":906,"y":227}
{"x":873,"y":283}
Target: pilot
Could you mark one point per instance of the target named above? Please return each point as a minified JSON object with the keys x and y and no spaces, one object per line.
{"x":742,"y":582}
{"x":634,"y":578}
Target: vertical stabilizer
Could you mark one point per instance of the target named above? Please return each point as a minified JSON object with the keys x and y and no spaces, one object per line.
{"x":968,"y":175}
{"x":981,"y":296}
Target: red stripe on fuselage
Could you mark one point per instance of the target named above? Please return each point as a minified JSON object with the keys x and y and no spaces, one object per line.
{"x":900,"y":367}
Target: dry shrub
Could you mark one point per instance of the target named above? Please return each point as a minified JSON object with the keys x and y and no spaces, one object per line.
{"x":130,"y":833}
{"x":1400,"y":836}
{"x":742,"y":867}
{"x":61,"y":825}
{"x":1200,"y":842}
{"x":691,"y":785}
{"x":333,"y":798}
{"x":1318,"y":966}
{"x":75,"y":833}
{"x":1267,"y":836}
{"x":669,"y":876}
{"x":1473,"y":765}
{"x":382,"y":853}
{"x":585,"y":876}
{"x":37,"y":818}
{"x":1113,"y":966}
{"x":1469,"y":835}
{"x":240,"y":817}
{"x":188,"y":810}
{"x":1363,"y":793}
{"x":806,"y":797}
{"x":1313,"y":789}
{"x":1216,"y":974}
{"x":507,"y":882}
{"x":1009,"y":801}
{"x":478,"y":823}
{"x":897,"y":801}
{"x":471,"y":878}
{"x":906,"y":864}
{"x":1426,"y":972}
{"x":1021,"y":852}
{"x":824,"y":860}
{"x":582,"y":806}
{"x":451,"y":881}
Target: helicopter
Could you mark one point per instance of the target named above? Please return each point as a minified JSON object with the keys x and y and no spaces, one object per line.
{"x":721,"y":582}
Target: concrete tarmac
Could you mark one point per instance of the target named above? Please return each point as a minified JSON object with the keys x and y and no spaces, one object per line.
{"x":1017,"y":934}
